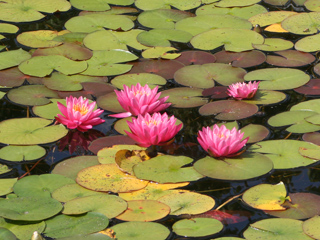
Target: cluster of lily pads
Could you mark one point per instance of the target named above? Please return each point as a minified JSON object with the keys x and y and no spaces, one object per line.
{"x":190,"y":51}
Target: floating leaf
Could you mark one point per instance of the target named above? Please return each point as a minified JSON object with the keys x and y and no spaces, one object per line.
{"x":274,"y":44}
{"x":4,"y":169}
{"x":160,"y":52}
{"x":152,"y":80}
{"x":310,"y":88}
{"x":255,"y":132}
{"x":181,"y":4}
{"x":6,"y":234}
{"x":30,"y":131}
{"x":92,"y":5}
{"x":13,"y":77}
{"x":197,"y":227}
{"x":8,"y":28}
{"x":235,"y":3}
{"x":268,"y":18}
{"x":13,"y":58}
{"x":22,"y":153}
{"x":310,"y":227}
{"x":187,"y":203}
{"x":166,"y":169}
{"x":39,"y":38}
{"x":109,"y":141}
{"x":108,"y":154}
{"x":6,"y":185}
{"x":302,"y":23}
{"x":195,"y":57}
{"x":290,"y":58}
{"x":313,"y":137}
{"x":308,"y":44}
{"x":237,"y":168}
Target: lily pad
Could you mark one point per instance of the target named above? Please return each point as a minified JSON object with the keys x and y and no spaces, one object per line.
{"x":188,"y":203}
{"x":274,"y":44}
{"x":140,"y":231}
{"x":4,"y":169}
{"x":13,"y":77}
{"x":93,"y":22}
{"x":29,"y":208}
{"x":266,"y":97}
{"x":39,"y":39}
{"x":241,"y":59}
{"x":66,"y":226}
{"x":197,"y":227}
{"x":268,"y":18}
{"x":217,"y":92}
{"x":30,"y":131}
{"x":185,"y":97}
{"x":302,"y":23}
{"x":195,"y":57}
{"x":166,"y":169}
{"x":238,"y":168}
{"x":70,"y":167}
{"x":310,"y":227}
{"x":22,"y":153}
{"x":96,"y":203}
{"x":290,"y":58}
{"x":313,"y":137}
{"x":229,"y":109}
{"x":277,"y":229}
{"x":236,"y":3}
{"x":278,"y":78}
{"x":109,"y":141}
{"x":8,"y":28}
{"x":152,"y":80}
{"x":310,"y":88}
{"x":180,"y":4}
{"x":160,"y":52}
{"x":308,"y":44}
{"x":110,"y":103}
{"x":236,"y":40}
{"x":311,"y":105}
{"x":255,"y":132}
{"x":6,"y":234}
{"x":6,"y":185}
{"x":203,"y":76}
{"x":13,"y":58}
{"x":144,"y":211}
{"x":94,"y":5}
{"x":108,"y":177}
{"x":284,"y":153}
{"x":108,"y":154}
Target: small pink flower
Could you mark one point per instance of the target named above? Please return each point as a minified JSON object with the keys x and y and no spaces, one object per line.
{"x":79,"y":114}
{"x":140,"y":100}
{"x":243,"y":90}
{"x":153,"y":130}
{"x":221,"y":142}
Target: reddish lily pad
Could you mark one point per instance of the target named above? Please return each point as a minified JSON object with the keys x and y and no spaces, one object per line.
{"x":144,"y":211}
{"x":290,"y":58}
{"x":237,"y":168}
{"x":13,"y":77}
{"x":299,"y":206}
{"x":185,"y":97}
{"x":202,"y":76}
{"x":39,"y":38}
{"x":195,"y":57}
{"x":108,"y":178}
{"x":13,"y":58}
{"x":241,"y":59}
{"x":217,"y":92}
{"x":69,"y":50}
{"x":310,"y":88}
{"x":164,"y":68}
{"x":310,"y":227}
{"x":255,"y":132}
{"x":96,"y":89}
{"x":229,"y":109}
{"x":109,"y":141}
{"x":313,"y":137}
{"x":152,"y":80}
{"x":32,"y":95}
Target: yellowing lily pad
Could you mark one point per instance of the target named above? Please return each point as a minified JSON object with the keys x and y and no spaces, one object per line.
{"x":8,"y":28}
{"x":160,"y":52}
{"x":108,"y":178}
{"x":39,"y":39}
{"x":108,"y":154}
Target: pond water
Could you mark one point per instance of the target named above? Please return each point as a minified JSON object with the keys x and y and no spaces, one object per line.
{"x":281,"y":120}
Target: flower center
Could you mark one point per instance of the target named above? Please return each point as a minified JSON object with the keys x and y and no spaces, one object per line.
{"x":152,"y":122}
{"x":141,"y":93}
{"x":83,"y":109}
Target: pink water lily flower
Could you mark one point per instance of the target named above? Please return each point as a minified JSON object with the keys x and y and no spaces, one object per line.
{"x":221,"y":142}
{"x":153,"y":129}
{"x":79,"y":114}
{"x":243,"y":90}
{"x":140,"y":100}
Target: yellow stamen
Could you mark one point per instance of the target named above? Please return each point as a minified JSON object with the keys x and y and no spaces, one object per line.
{"x":83,"y":109}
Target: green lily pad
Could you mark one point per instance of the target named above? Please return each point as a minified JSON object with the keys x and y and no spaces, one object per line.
{"x":6,"y":234}
{"x":296,"y":119}
{"x":71,"y":37}
{"x":236,"y":3}
{"x":60,"y":82}
{"x":188,"y":203}
{"x":13,"y":58}
{"x":308,"y":44}
{"x":30,"y":131}
{"x":185,"y":97}
{"x":268,"y":18}
{"x":202,"y":76}
{"x":299,"y":206}
{"x":31,"y":95}
{"x":152,"y":80}
{"x":302,"y":23}
{"x":229,"y":109}
{"x":284,"y":153}
{"x":237,"y":168}
{"x":105,"y":63}
{"x":255,"y":132}
{"x":4,"y":169}
{"x":236,"y":40}
{"x":310,"y":227}
{"x":310,"y":153}
{"x":29,"y":208}
{"x":144,"y":211}
{"x":278,"y":78}
{"x":21,"y":230}
{"x":140,"y":231}
{"x":22,"y":153}
{"x":277,"y":229}
{"x":277,"y":2}
{"x":290,"y":58}
{"x":69,"y":50}
{"x":66,"y":226}
{"x":70,"y":167}
{"x":72,"y":191}
{"x":166,"y":169}
{"x":6,"y":185}
{"x":108,"y":40}
{"x":93,"y":22}
{"x":29,"y":10}
{"x":160,"y":52}
{"x":266,"y":196}
{"x":203,"y":23}
{"x":108,"y":177}
{"x":179,"y":4}
{"x":110,"y":103}
{"x":162,"y":37}
{"x":311,"y":105}
{"x":197,"y":227}
{"x":40,"y":185}
{"x":274,"y":44}
{"x":41,"y":66}
{"x":38,"y":39}
{"x":94,"y":5}
{"x":8,"y":28}
{"x":96,"y":203}
{"x":93,"y":236}
{"x":266,"y":97}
